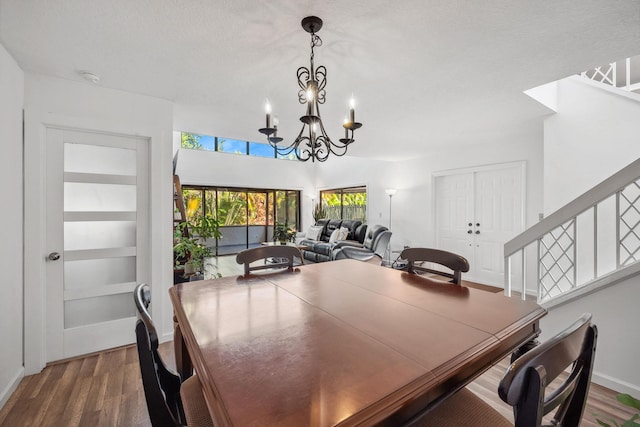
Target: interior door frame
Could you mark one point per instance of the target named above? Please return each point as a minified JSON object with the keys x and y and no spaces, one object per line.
{"x":521,"y":164}
{"x":35,"y":124}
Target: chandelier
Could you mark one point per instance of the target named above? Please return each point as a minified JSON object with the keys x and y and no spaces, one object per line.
{"x":312,"y":142}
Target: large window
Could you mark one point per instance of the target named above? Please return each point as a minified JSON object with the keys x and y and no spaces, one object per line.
{"x":196,"y":141}
{"x":246,"y":216}
{"x":345,"y":203}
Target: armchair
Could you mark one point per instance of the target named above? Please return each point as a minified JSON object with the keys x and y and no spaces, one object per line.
{"x":375,"y":244}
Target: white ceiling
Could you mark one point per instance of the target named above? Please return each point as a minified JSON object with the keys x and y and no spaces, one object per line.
{"x":425,"y":73}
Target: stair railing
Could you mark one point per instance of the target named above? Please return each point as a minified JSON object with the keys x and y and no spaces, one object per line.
{"x":593,"y":239}
{"x":607,"y":74}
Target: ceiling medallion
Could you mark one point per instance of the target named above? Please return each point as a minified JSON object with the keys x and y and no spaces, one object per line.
{"x":312,"y":142}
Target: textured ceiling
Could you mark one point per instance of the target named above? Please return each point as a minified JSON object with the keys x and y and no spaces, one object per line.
{"x":425,"y":73}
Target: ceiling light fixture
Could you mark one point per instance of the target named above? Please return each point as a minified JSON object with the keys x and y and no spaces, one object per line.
{"x":312,"y":142}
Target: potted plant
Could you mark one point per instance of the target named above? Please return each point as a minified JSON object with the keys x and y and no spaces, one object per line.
{"x":629,"y":401}
{"x":283,"y":233}
{"x":190,"y":250}
{"x":319,"y":212}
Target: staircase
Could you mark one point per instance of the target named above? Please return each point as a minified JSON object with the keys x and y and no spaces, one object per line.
{"x":592,"y":242}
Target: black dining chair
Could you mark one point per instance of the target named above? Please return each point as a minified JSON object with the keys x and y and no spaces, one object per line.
{"x":454,"y":262}
{"x":170,"y":403}
{"x":525,"y":384}
{"x":274,"y":256}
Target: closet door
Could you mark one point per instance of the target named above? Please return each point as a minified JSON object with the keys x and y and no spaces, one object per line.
{"x":498,"y":217}
{"x":476,"y":212}
{"x":454,"y":214}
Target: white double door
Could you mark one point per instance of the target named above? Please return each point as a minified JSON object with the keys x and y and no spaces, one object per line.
{"x":96,"y":239}
{"x":477,"y":211}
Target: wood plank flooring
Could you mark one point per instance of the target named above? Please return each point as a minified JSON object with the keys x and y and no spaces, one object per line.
{"x":105,"y":389}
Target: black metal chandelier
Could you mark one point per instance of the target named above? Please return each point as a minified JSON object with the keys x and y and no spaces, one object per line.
{"x":312,"y":142}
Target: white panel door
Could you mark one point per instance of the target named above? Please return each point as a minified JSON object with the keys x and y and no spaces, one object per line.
{"x":498,"y":218}
{"x":96,"y":239}
{"x":454,"y":213}
{"x":476,"y":213}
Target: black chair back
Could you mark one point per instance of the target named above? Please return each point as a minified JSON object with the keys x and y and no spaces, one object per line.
{"x":524,"y":384}
{"x":275,"y":256}
{"x":458,"y":264}
{"x":161,"y":386}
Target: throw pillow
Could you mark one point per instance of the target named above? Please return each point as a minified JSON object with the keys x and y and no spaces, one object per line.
{"x":335,"y":236}
{"x":344,"y":233}
{"x":314,"y":232}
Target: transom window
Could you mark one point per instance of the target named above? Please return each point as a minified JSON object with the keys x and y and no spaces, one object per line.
{"x":196,"y":141}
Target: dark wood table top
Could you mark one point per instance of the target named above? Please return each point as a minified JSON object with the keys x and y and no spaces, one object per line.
{"x":341,"y":342}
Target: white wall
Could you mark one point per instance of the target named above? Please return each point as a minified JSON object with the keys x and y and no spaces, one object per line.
{"x":11,"y":255}
{"x":593,"y":135}
{"x":198,"y":167}
{"x":340,"y":172}
{"x":412,"y":216}
{"x":85,"y":106}
{"x":615,"y":313}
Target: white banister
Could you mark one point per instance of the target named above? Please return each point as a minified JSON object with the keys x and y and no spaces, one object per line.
{"x":607,"y":74}
{"x":560,"y":264}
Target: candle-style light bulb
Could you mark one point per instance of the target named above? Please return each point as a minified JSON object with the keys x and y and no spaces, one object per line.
{"x":275,"y":126}
{"x":352,"y":113}
{"x":346,"y":131}
{"x":267,"y":109}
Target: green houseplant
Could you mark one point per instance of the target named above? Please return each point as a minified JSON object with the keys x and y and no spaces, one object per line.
{"x":627,"y":400}
{"x":319,"y":212}
{"x":190,"y":249}
{"x":283,"y":233}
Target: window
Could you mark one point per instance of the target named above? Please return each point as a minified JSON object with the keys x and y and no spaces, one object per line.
{"x":246,"y":216}
{"x":232,"y":146}
{"x":195,"y":141}
{"x":261,"y":150}
{"x":345,"y":203}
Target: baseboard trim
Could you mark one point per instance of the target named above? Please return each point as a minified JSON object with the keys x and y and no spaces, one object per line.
{"x":615,"y":384}
{"x":11,"y":387}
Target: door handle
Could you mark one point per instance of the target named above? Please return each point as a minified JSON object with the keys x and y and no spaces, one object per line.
{"x":54,"y":256}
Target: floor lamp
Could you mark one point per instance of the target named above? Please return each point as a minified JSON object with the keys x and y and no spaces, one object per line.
{"x":390,"y":192}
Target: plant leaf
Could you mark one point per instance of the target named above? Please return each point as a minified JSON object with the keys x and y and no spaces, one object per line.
{"x":626,"y":399}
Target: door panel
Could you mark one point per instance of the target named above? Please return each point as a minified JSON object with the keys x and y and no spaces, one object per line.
{"x":454,"y":211}
{"x":97,"y":219}
{"x":492,"y":201}
{"x":498,"y":203}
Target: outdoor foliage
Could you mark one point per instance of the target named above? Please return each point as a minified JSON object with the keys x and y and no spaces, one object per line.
{"x":191,"y":140}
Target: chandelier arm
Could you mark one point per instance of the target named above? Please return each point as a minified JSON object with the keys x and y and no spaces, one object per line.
{"x":320,"y":76}
{"x":303,"y":75}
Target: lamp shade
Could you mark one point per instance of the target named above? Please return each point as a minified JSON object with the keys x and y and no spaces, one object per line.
{"x":390,"y":191}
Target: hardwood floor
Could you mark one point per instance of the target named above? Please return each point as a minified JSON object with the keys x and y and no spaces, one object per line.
{"x":105,"y":389}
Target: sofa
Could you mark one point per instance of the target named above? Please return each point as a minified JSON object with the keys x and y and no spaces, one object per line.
{"x":374,"y":245}
{"x":321,"y":250}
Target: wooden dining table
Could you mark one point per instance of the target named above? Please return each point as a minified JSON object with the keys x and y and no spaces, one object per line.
{"x":341,"y":343}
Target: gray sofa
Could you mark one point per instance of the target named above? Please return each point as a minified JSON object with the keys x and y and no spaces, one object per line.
{"x":375,"y":244}
{"x":321,"y":250}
